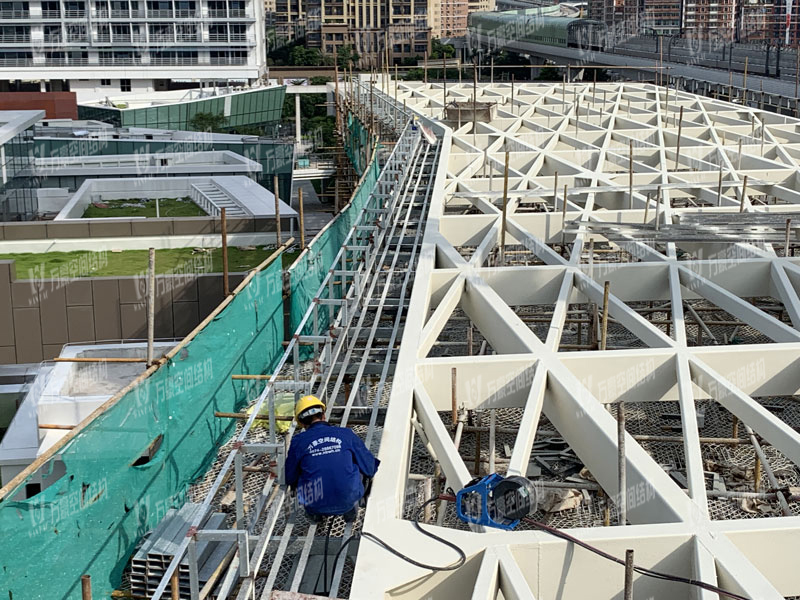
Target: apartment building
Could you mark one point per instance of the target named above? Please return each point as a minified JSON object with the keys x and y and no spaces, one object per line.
{"x":374,"y":29}
{"x":450,"y":16}
{"x":709,"y":19}
{"x":111,"y":47}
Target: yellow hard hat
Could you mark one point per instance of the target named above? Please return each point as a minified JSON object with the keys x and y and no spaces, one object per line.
{"x":307,"y":402}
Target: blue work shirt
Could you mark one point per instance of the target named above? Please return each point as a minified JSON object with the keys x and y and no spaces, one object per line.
{"x":325,"y":463}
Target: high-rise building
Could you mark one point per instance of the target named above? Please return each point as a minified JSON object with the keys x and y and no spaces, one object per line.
{"x":661,"y":16}
{"x":709,"y":19}
{"x":373,"y":29}
{"x":451,"y":18}
{"x":102,"y":47}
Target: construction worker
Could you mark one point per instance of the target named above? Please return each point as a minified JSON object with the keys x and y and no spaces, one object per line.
{"x":326,"y":464}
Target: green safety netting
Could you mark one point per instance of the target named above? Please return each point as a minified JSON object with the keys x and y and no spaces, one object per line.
{"x":90,"y":520}
{"x":309,"y":270}
{"x":356,"y":144}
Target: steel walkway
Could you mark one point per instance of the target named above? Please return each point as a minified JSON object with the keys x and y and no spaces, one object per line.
{"x":356,"y":321}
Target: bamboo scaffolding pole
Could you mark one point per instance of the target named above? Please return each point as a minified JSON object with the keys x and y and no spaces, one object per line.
{"x":225,"y":282}
{"x":744,"y":79}
{"x":277,"y":211}
{"x":628,"y":588}
{"x":151,"y":303}
{"x":744,"y":193}
{"x":302,"y":219}
{"x":622,"y":502}
{"x":630,"y":174}
{"x":564,"y":220}
{"x":86,"y":587}
{"x":678,"y":145}
{"x":453,"y":398}
{"x":786,"y":241}
{"x":604,"y":327}
{"x":100,"y":359}
{"x":505,"y":209}
{"x":54,"y":426}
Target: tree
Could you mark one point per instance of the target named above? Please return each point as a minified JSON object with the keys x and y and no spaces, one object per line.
{"x":319,"y":80}
{"x":347,"y":55}
{"x":438,"y":49}
{"x":549,"y":73}
{"x":206,"y":121}
{"x":301,"y":56}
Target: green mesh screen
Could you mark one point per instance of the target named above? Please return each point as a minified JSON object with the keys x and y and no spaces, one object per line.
{"x":309,"y":270}
{"x":90,"y":519}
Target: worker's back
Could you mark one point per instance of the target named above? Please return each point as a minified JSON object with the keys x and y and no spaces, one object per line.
{"x":326,"y":463}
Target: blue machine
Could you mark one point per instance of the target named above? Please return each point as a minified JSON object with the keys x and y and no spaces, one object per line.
{"x":496,"y":501}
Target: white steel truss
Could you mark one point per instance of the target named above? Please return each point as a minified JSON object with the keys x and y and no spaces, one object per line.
{"x":591,"y":170}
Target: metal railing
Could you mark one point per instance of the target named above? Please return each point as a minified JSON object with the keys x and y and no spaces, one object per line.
{"x":232,"y":37}
{"x":74,"y":14}
{"x":134,"y":60}
{"x":15,"y":38}
{"x":203,"y":201}
{"x":233,"y":13}
{"x":51,"y":14}
{"x":16,"y":62}
{"x":15,"y":14}
{"x":227,"y":60}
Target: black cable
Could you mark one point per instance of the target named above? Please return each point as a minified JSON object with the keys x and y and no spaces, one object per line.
{"x":325,"y":558}
{"x":641,"y":570}
{"x":462,"y":557}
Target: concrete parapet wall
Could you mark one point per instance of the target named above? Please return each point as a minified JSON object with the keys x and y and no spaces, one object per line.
{"x":38,"y":316}
{"x":103,"y":228}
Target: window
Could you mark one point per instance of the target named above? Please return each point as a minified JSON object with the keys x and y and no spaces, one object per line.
{"x":105,"y":82}
{"x":124,"y":85}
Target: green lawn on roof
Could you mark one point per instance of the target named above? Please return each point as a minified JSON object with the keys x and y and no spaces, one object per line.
{"x":136,"y":207}
{"x":83,"y":263}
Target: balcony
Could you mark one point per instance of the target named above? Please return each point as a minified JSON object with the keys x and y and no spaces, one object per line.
{"x":74,"y":14}
{"x":241,"y":38}
{"x":174,"y":60}
{"x":77,"y":38}
{"x":15,"y":14}
{"x":51,"y":14}
{"x":16,"y":62}
{"x":186,"y":14}
{"x":233,"y":13}
{"x":159,"y":14}
{"x":189,"y":37}
{"x":162,"y":38}
{"x":15,"y":38}
{"x":120,"y":61}
{"x":227,"y":60}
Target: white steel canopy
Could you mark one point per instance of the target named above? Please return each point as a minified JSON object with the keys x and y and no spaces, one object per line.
{"x":709,"y":324}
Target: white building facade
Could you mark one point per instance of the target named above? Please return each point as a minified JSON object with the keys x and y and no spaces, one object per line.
{"x":111,"y":47}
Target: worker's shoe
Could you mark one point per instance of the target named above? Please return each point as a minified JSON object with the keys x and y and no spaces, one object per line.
{"x":351,"y":515}
{"x":315,"y":517}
